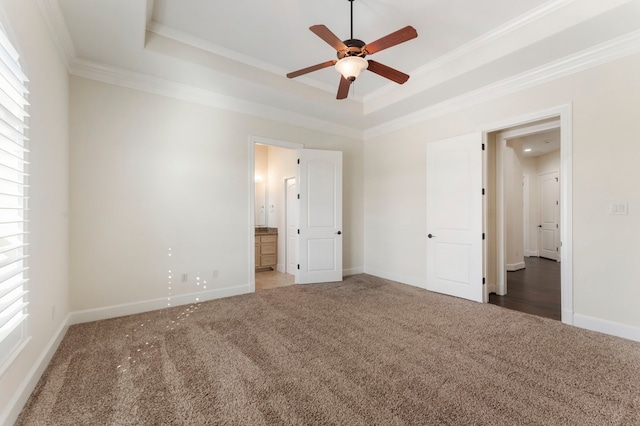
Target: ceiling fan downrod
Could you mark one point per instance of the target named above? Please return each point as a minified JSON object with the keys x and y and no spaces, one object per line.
{"x":351,"y":1}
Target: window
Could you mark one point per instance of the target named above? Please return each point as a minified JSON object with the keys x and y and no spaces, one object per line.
{"x":13,"y":203}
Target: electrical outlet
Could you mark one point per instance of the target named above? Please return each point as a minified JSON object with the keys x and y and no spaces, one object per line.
{"x":215,"y":273}
{"x":185,"y":277}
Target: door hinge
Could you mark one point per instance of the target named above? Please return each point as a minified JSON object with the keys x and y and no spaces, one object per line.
{"x":557,"y":225}
{"x":298,"y":266}
{"x":556,"y":248}
{"x":483,"y":235}
{"x":482,"y":191}
{"x":298,"y":161}
{"x":557,"y":203}
{"x":484,"y":280}
{"x":298,"y":232}
{"x":483,"y":147}
{"x":298,"y":196}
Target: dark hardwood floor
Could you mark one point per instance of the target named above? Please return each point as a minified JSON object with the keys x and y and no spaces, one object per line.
{"x":534,"y":290}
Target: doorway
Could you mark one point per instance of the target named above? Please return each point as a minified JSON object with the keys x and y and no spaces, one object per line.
{"x":319,"y":229}
{"x":514,"y":264}
{"x":272,"y":165}
{"x":532,"y":223}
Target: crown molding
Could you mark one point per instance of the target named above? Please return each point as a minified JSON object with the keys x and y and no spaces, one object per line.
{"x":146,"y":83}
{"x":589,"y":58}
{"x":480,"y":42}
{"x":52,"y":15}
{"x":199,"y":43}
{"x":491,"y":46}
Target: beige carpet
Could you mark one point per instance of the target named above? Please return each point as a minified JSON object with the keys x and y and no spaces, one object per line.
{"x":363,"y":352}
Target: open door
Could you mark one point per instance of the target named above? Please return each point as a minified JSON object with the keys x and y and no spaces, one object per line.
{"x":455,"y":217}
{"x":549,"y":216}
{"x":319,"y":180}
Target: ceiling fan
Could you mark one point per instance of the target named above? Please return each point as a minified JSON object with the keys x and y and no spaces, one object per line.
{"x":351,"y":54}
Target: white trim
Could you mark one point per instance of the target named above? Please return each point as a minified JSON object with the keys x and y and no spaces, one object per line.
{"x":198,"y":43}
{"x":607,"y":327}
{"x":352,"y":271}
{"x":586,"y":59}
{"x":531,"y":253}
{"x":259,"y":140}
{"x":591,"y":57}
{"x":444,"y":67}
{"x":53,"y":17}
{"x":565,"y":113}
{"x":251,"y":177}
{"x":275,"y":142}
{"x":511,"y":267}
{"x":132,"y":308}
{"x":158,"y":86}
{"x":22,"y":393}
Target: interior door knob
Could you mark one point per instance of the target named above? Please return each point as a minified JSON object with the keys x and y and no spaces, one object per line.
{"x":431,"y":236}
{"x":339,"y":232}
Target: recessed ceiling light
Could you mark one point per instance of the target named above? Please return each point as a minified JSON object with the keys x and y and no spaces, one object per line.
{"x":527,"y":150}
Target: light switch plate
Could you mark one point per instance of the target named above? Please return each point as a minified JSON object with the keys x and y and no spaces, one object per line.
{"x":618,"y":208}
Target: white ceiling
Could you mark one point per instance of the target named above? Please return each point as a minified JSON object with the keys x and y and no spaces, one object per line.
{"x":541,"y":143}
{"x":235,"y":54}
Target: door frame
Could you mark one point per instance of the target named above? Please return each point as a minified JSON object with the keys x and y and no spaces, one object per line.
{"x":565,"y":115}
{"x":287,"y":247}
{"x":252,"y":141}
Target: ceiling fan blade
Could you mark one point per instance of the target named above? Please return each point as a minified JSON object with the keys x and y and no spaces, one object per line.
{"x":311,"y":69}
{"x":400,"y":36}
{"x":343,"y":88}
{"x":387,"y":72}
{"x":329,"y":37}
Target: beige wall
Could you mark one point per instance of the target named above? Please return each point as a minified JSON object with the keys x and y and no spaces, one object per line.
{"x":48,"y":262}
{"x":513,"y":210}
{"x":150,"y":173}
{"x":282,"y":165}
{"x":605,"y":151}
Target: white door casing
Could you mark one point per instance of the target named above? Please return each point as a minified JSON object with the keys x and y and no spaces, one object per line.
{"x":549,"y":215}
{"x":455,"y":217}
{"x":319,"y":181}
{"x":292,"y":218}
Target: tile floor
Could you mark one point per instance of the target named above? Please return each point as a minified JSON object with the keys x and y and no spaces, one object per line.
{"x":273,"y":279}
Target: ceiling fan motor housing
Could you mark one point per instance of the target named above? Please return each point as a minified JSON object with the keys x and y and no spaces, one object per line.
{"x":354,"y":48}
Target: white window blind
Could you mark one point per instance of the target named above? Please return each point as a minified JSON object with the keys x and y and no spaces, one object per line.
{"x":13,"y":202}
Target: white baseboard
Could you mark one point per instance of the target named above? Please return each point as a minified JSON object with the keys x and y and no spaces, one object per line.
{"x":607,"y":327}
{"x":155,"y":304}
{"x":531,"y":253}
{"x":515,"y":266}
{"x":352,"y":271}
{"x":395,"y":277}
{"x":20,"y":397}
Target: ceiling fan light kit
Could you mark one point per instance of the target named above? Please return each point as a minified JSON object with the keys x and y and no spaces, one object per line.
{"x":351,"y":66}
{"x":351,"y":54}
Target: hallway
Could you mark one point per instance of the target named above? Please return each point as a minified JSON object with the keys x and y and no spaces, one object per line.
{"x":534,"y":290}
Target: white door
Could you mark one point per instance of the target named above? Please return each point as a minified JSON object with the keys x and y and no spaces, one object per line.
{"x":292,"y":218}
{"x":319,"y":182}
{"x":549,"y":215}
{"x":454,"y":217}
